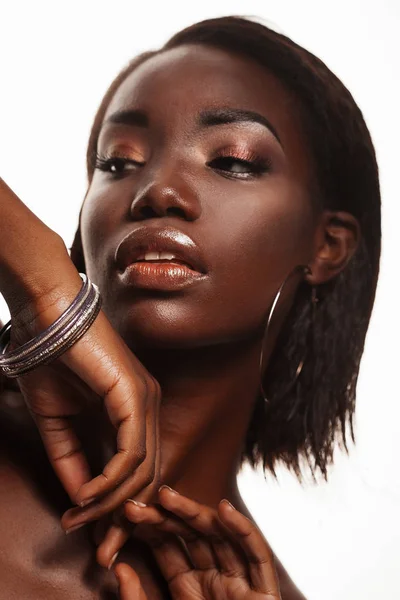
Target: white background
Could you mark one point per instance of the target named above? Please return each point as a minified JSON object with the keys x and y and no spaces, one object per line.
{"x":337,"y":540}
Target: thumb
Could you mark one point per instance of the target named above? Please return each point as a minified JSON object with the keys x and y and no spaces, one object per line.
{"x":130,"y":587}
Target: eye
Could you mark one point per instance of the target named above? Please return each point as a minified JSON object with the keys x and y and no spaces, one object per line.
{"x":240,"y":168}
{"x":116,"y":165}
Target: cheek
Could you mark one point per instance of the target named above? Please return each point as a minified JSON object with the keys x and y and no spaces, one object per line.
{"x":100,"y":220}
{"x":262,"y":243}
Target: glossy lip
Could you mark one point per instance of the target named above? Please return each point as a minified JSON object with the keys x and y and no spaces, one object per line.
{"x":147,"y":238}
{"x":163,"y":276}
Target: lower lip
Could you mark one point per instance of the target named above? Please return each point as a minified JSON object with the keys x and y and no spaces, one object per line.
{"x":160,"y":276}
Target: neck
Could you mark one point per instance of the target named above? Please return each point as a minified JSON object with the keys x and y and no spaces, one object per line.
{"x":208,"y":397}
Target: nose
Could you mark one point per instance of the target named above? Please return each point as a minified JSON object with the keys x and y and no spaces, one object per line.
{"x":166,"y":196}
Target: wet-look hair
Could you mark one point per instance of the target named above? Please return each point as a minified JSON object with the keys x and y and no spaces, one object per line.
{"x":304,"y":423}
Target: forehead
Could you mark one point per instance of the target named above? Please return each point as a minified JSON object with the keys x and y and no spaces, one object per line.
{"x":173,"y":87}
{"x":176,"y":84}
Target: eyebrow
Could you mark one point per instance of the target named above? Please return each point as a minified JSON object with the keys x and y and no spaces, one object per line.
{"x":133,"y":118}
{"x":206,"y":118}
{"x":223,"y":116}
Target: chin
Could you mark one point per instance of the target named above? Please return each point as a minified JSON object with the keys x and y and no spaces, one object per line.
{"x":149,"y":324}
{"x":178,"y":322}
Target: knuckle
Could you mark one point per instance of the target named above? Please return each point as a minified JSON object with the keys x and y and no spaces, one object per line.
{"x":140,"y":455}
{"x":58,"y":457}
{"x":155,"y":389}
{"x":111,"y":387}
{"x":140,"y":385}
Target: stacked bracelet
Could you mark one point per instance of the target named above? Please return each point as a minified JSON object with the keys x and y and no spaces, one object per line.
{"x":56,"y":339}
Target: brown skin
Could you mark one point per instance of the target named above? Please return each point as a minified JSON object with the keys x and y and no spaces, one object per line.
{"x":225,"y":556}
{"x":203,"y":344}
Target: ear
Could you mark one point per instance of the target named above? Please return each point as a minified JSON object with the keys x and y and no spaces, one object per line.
{"x":336,"y":239}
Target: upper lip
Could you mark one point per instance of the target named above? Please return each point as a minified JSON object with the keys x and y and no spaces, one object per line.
{"x":159,"y":239}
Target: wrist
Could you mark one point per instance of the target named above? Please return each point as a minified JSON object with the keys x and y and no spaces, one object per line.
{"x":41,"y":293}
{"x":35,"y":272}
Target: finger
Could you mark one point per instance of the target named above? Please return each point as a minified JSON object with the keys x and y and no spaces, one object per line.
{"x":43,"y":395}
{"x":113,"y":541}
{"x":142,"y":483}
{"x":100,"y":529}
{"x":130,"y":587}
{"x":65,"y":452}
{"x":170,"y":554}
{"x":159,"y":519}
{"x":117,"y":534}
{"x":258,"y":553}
{"x":139,"y":513}
{"x":134,"y":432}
{"x":136,"y":513}
{"x":131,"y":452}
{"x":172,"y":559}
{"x":139,"y":482}
{"x":212,"y":546}
{"x":118,"y":378}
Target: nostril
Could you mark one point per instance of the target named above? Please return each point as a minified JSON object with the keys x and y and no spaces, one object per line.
{"x":147,"y":212}
{"x":175,"y":210}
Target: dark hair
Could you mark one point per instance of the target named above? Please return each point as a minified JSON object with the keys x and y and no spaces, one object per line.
{"x":305,"y":421}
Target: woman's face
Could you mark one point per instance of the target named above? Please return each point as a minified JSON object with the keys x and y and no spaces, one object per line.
{"x":178,"y":167}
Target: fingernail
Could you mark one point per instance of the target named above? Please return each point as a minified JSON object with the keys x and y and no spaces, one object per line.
{"x":86,"y":502}
{"x":112,"y":561}
{"x":168,"y":488}
{"x":228,"y":503}
{"x":137,"y":503}
{"x":74,"y":528}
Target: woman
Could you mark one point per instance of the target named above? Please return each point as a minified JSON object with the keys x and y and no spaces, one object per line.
{"x":239,"y":154}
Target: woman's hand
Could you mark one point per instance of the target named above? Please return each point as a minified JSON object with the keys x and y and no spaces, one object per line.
{"x":39,"y":281}
{"x":203,"y":554}
{"x":99,"y":369}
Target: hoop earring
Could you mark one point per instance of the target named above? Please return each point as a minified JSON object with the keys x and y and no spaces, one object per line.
{"x":306,"y":271}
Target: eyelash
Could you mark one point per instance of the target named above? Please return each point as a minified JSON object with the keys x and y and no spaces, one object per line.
{"x":105,"y":163}
{"x":256,"y":164}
